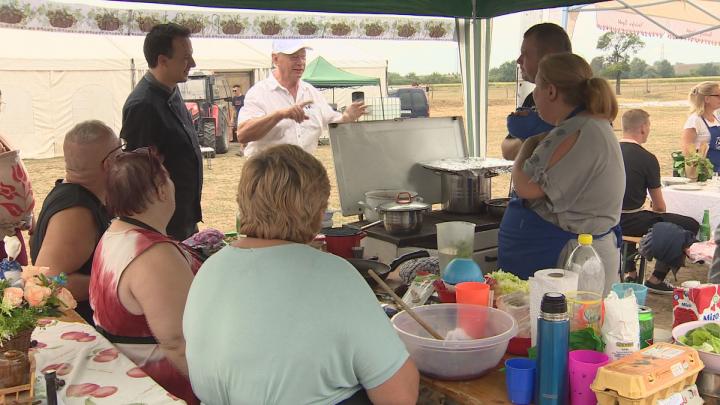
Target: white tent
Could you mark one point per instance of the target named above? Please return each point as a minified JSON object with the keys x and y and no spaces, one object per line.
{"x":51,"y":81}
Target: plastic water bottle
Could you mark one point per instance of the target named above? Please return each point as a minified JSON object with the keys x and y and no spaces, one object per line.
{"x":585,"y":261}
{"x":553,"y":325}
{"x":705,"y":232}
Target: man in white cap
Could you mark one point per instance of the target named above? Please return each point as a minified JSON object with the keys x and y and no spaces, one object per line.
{"x":284,"y":109}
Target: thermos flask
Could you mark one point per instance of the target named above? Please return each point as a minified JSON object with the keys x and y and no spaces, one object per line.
{"x":551,"y":378}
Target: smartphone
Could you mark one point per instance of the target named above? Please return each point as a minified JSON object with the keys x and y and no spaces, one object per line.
{"x":358,"y":96}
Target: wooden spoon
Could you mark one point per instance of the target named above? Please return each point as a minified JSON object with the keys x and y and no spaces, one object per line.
{"x":404,"y":306}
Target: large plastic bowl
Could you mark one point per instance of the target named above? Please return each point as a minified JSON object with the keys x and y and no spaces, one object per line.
{"x":711,"y":360}
{"x":456,"y":359}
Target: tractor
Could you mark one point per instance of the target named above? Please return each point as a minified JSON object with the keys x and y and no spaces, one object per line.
{"x":208,"y":99}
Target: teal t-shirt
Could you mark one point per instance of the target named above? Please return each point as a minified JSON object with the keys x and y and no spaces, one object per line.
{"x":285,"y":325}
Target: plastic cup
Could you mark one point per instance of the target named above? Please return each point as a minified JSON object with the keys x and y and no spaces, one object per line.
{"x":639,"y":290}
{"x":472,"y":292}
{"x":582,"y":367}
{"x":454,"y":239}
{"x":585,"y":309}
{"x":520,"y":380}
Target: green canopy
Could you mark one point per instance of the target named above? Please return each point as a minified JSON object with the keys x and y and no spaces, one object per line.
{"x":322,"y":74}
{"x":439,"y":8}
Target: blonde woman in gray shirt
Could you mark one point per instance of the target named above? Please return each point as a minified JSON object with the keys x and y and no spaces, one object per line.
{"x":570,"y":181}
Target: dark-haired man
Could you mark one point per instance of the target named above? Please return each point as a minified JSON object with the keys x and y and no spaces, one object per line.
{"x":155,"y":115}
{"x":538,"y":41}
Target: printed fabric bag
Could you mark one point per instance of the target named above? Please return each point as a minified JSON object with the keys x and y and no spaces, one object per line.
{"x":16,"y":196}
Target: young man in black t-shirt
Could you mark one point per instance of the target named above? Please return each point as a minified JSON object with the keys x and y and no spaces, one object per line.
{"x":642,"y":177}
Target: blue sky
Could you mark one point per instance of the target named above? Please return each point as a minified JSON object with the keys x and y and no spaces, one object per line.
{"x":424,"y":57}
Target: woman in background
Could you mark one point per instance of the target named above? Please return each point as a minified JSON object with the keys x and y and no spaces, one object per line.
{"x":703,"y":125}
{"x":570,"y":181}
{"x":140,"y":277}
{"x":270,"y":320}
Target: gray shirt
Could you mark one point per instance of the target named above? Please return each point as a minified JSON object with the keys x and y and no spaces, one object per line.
{"x":583,"y":190}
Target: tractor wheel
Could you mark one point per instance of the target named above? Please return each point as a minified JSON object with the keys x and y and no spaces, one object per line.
{"x":221,"y":144}
{"x":207,"y":134}
{"x":221,"y":140}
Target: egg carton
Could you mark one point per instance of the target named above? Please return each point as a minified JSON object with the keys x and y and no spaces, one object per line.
{"x":610,"y":397}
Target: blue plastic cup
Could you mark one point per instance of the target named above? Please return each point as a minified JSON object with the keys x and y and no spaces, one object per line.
{"x":639,"y":290}
{"x":520,"y":380}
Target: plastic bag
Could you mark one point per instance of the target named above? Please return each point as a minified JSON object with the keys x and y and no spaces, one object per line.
{"x":517,"y":304}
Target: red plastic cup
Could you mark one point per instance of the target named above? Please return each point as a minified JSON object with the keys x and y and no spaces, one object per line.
{"x":582,"y":367}
{"x":472,"y":292}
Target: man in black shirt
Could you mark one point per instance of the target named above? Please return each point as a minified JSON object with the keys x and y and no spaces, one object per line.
{"x":642,"y":177}
{"x":538,"y":41}
{"x":73,"y":215}
{"x":155,"y":115}
{"x":237,"y":101}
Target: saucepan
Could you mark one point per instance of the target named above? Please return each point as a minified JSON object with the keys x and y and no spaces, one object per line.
{"x":496,"y":207}
{"x":382,"y":269}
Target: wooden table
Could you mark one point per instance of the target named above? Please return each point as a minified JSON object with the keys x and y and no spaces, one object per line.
{"x":488,"y":389}
{"x":71,"y":316}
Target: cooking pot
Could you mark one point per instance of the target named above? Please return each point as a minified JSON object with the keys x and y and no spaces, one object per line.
{"x":464,"y":192}
{"x":496,"y":207}
{"x":382,"y":269}
{"x":340,"y":241}
{"x":376,"y":198}
{"x":403,"y":216}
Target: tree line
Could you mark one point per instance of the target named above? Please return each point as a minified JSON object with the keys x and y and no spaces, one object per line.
{"x":396,"y":79}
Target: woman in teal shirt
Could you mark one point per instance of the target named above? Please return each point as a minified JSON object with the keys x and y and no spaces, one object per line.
{"x":270,"y":320}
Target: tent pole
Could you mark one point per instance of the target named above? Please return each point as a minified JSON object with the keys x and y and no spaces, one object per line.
{"x":382,"y":103}
{"x":333,"y":89}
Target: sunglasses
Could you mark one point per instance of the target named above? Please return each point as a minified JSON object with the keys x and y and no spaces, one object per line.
{"x":148,"y":151}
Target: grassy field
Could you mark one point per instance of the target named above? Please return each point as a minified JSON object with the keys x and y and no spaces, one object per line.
{"x":218,"y":199}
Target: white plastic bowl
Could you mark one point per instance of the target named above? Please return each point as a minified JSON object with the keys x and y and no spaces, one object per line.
{"x":711,"y":360}
{"x":456,"y":359}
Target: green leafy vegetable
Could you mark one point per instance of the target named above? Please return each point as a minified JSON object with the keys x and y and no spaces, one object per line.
{"x":705,"y":338}
{"x":507,"y":283}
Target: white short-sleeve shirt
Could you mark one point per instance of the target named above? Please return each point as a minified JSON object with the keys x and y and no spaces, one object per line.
{"x":268,"y":96}
{"x":695,"y":122}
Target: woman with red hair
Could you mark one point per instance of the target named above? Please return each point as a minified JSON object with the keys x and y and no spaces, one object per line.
{"x":141,"y":277}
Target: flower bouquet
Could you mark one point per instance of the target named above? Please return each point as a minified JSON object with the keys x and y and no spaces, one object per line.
{"x":27,"y":295}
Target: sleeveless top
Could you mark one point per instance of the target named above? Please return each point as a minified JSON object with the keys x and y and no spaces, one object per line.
{"x":113,"y":254}
{"x":62,"y":197}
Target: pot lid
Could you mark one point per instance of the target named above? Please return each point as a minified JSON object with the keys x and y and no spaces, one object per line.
{"x":403,"y":205}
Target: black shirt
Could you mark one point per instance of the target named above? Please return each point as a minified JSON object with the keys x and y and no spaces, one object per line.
{"x":62,"y":197}
{"x":642,"y":172}
{"x":154,"y":115}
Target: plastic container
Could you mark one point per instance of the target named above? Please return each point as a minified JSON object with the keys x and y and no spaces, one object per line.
{"x":647,"y":376}
{"x":520,"y":380}
{"x":454,"y":239}
{"x":461,"y":270}
{"x":455,"y":359}
{"x":582,"y":368}
{"x":639,"y":290}
{"x":585,"y":261}
{"x":585,"y":309}
{"x":711,"y":360}
{"x":472,"y":293}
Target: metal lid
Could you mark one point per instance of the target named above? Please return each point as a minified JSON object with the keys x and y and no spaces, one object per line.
{"x":404,"y":202}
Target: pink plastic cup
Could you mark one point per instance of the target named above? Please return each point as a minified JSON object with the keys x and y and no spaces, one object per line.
{"x":583,"y":366}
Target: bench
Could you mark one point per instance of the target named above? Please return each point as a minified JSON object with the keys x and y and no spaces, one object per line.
{"x":626,"y":242}
{"x":208,"y":153}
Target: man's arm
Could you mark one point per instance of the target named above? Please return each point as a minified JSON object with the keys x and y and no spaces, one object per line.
{"x":656,"y":200}
{"x":69,"y":242}
{"x":510,"y":147}
{"x":140,"y":126}
{"x":256,"y":128}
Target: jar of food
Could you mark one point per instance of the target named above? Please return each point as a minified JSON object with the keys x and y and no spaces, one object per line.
{"x":13,"y":369}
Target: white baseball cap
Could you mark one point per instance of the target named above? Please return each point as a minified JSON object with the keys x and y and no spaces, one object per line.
{"x":289,"y":46}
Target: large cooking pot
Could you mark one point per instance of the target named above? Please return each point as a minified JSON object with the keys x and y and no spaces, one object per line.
{"x":382,"y":269}
{"x":464,"y":192}
{"x":496,"y":207}
{"x":376,"y":198}
{"x":403,"y":216}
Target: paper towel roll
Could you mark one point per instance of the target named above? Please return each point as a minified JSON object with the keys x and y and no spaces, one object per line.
{"x":545,"y":281}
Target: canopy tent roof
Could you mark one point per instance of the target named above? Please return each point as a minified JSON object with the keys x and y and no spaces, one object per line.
{"x":447,"y":8}
{"x":696,"y":20}
{"x":321,"y":73}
